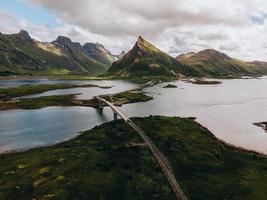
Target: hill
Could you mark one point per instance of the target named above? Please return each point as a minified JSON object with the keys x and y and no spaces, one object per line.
{"x":99,"y":53}
{"x":214,"y":63}
{"x":144,"y":59}
{"x":112,"y":162}
{"x":20,"y":54}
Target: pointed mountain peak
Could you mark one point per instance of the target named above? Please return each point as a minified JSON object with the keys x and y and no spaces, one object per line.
{"x":144,"y":48}
{"x":66,"y":42}
{"x":119,"y":56}
{"x":145,"y":59}
{"x":140,"y":39}
{"x":24,"y":35}
{"x":142,"y":42}
{"x":63,"y":40}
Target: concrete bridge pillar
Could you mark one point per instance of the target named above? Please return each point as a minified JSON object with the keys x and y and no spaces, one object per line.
{"x":100,"y":104}
{"x":115,"y":116}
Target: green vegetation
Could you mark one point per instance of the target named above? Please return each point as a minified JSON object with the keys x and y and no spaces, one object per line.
{"x":21,"y":55}
{"x":147,"y":60}
{"x":40,"y":102}
{"x":13,"y":92}
{"x":216,"y":64}
{"x":119,"y":99}
{"x":70,"y":100}
{"x":132,"y":97}
{"x":111,"y":162}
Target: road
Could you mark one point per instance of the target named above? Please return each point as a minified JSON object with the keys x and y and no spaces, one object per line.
{"x":162,"y":160}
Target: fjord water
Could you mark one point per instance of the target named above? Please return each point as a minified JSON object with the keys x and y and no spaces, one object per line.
{"x":228,"y":110}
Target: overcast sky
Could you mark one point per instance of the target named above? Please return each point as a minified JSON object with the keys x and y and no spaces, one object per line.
{"x":235,"y":27}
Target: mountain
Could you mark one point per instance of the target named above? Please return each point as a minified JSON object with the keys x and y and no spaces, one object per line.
{"x":99,"y":53}
{"x":214,"y":63}
{"x":119,"y":56}
{"x":144,"y":59}
{"x":77,"y":57}
{"x":20,"y":54}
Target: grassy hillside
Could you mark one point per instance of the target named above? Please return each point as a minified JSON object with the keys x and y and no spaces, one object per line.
{"x":111,"y":162}
{"x":147,"y":60}
{"x":22,"y":55}
{"x":214,"y":63}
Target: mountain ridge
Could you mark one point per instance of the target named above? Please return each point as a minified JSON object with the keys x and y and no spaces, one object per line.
{"x":215,"y":63}
{"x":146,"y":59}
{"x":20,"y":54}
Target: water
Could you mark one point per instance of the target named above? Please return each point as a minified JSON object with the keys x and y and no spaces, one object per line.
{"x":90,"y":92}
{"x":15,"y":83}
{"x":228,"y":110}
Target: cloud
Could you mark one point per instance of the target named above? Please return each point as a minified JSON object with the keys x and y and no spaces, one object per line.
{"x":133,"y":17}
{"x":237,"y":28}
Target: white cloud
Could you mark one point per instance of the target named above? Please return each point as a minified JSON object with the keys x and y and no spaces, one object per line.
{"x":236,"y":27}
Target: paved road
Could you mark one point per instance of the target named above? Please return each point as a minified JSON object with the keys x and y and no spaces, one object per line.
{"x":162,"y":160}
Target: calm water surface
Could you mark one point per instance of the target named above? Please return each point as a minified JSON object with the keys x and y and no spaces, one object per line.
{"x":228,"y":110}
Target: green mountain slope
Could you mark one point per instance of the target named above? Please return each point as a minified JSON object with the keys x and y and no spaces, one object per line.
{"x":144,"y":59}
{"x":214,"y":63}
{"x":20,"y":54}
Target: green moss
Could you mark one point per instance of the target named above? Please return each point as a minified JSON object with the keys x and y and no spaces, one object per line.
{"x":107,"y":163}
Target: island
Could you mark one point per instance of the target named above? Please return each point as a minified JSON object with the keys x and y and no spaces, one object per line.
{"x":170,"y":86}
{"x":263,"y":125}
{"x":11,"y":98}
{"x":205,"y":82}
{"x":112,"y":162}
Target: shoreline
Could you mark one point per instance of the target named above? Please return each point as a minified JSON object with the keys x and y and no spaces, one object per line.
{"x":23,"y":150}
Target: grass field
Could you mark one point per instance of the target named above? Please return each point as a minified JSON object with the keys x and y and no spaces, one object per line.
{"x":111,"y":162}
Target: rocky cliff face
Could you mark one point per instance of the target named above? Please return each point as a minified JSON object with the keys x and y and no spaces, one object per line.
{"x":65,"y":42}
{"x":119,"y":56}
{"x":100,"y":53}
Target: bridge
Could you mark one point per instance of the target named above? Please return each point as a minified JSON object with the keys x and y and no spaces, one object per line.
{"x":161,"y":159}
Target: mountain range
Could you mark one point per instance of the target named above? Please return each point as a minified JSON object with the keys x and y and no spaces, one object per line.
{"x":22,"y":55}
{"x":214,"y":63}
{"x":146,"y":59}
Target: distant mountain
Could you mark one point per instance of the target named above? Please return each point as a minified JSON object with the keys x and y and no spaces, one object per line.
{"x":144,"y":59}
{"x":119,"y":56}
{"x":214,"y":63}
{"x":98,"y":52}
{"x":20,"y":54}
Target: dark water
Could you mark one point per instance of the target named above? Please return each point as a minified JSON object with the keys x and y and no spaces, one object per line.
{"x":228,"y":110}
{"x":15,"y":83}
{"x":89,"y":93}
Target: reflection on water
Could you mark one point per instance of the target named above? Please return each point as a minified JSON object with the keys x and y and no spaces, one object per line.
{"x":26,"y":129}
{"x":228,"y":110}
{"x":89,"y":93}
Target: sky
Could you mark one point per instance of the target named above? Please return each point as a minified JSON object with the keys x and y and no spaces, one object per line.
{"x":235,"y":27}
